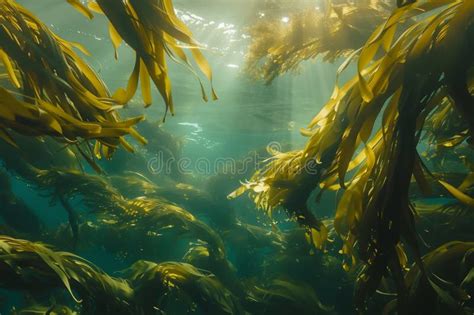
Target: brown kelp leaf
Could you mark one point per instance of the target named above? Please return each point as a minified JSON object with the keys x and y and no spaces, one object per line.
{"x":398,"y":81}
{"x":458,"y":194}
{"x":152,"y":29}
{"x":98,"y":291}
{"x":59,"y":94}
{"x":77,"y":4}
{"x":279,"y":45}
{"x":184,"y":282}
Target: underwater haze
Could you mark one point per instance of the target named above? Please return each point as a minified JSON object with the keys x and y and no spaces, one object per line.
{"x":330,"y":174}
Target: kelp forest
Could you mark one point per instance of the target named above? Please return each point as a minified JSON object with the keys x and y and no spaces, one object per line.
{"x":351,"y":122}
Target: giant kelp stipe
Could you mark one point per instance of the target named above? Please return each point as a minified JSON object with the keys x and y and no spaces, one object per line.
{"x":107,"y":209}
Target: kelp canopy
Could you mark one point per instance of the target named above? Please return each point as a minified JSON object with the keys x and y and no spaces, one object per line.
{"x":60,"y":95}
{"x":393,"y":145}
{"x":408,"y":75}
{"x":55,"y":92}
{"x":334,"y":30}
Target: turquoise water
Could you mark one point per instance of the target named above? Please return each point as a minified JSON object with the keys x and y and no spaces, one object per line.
{"x":248,"y":113}
{"x":262,"y":264}
{"x":248,"y":117}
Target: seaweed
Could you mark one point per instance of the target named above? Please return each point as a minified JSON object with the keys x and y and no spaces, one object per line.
{"x":449,"y":290}
{"x":152,"y":30}
{"x":286,"y":296}
{"x":59,"y":94}
{"x":34,"y":267}
{"x":279,"y":46}
{"x":54,"y":92}
{"x":148,"y":287}
{"x":401,"y":78}
{"x":439,"y":223}
{"x":158,"y":284}
{"x":396,"y":133}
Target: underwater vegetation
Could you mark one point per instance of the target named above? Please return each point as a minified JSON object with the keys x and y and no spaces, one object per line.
{"x":369,"y":131}
{"x":61,"y":94}
{"x":333,"y":32}
{"x":392,"y":145}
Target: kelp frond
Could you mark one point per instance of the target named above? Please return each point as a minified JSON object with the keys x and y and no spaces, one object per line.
{"x":152,"y":29}
{"x":54,"y":91}
{"x":154,"y":216}
{"x":402,"y":77}
{"x":136,"y":217}
{"x":451,"y":288}
{"x":439,"y":223}
{"x":159,"y":284}
{"x":286,"y":182}
{"x":284,"y":296}
{"x":279,"y":46}
{"x":445,"y":128}
{"x":34,"y":267}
